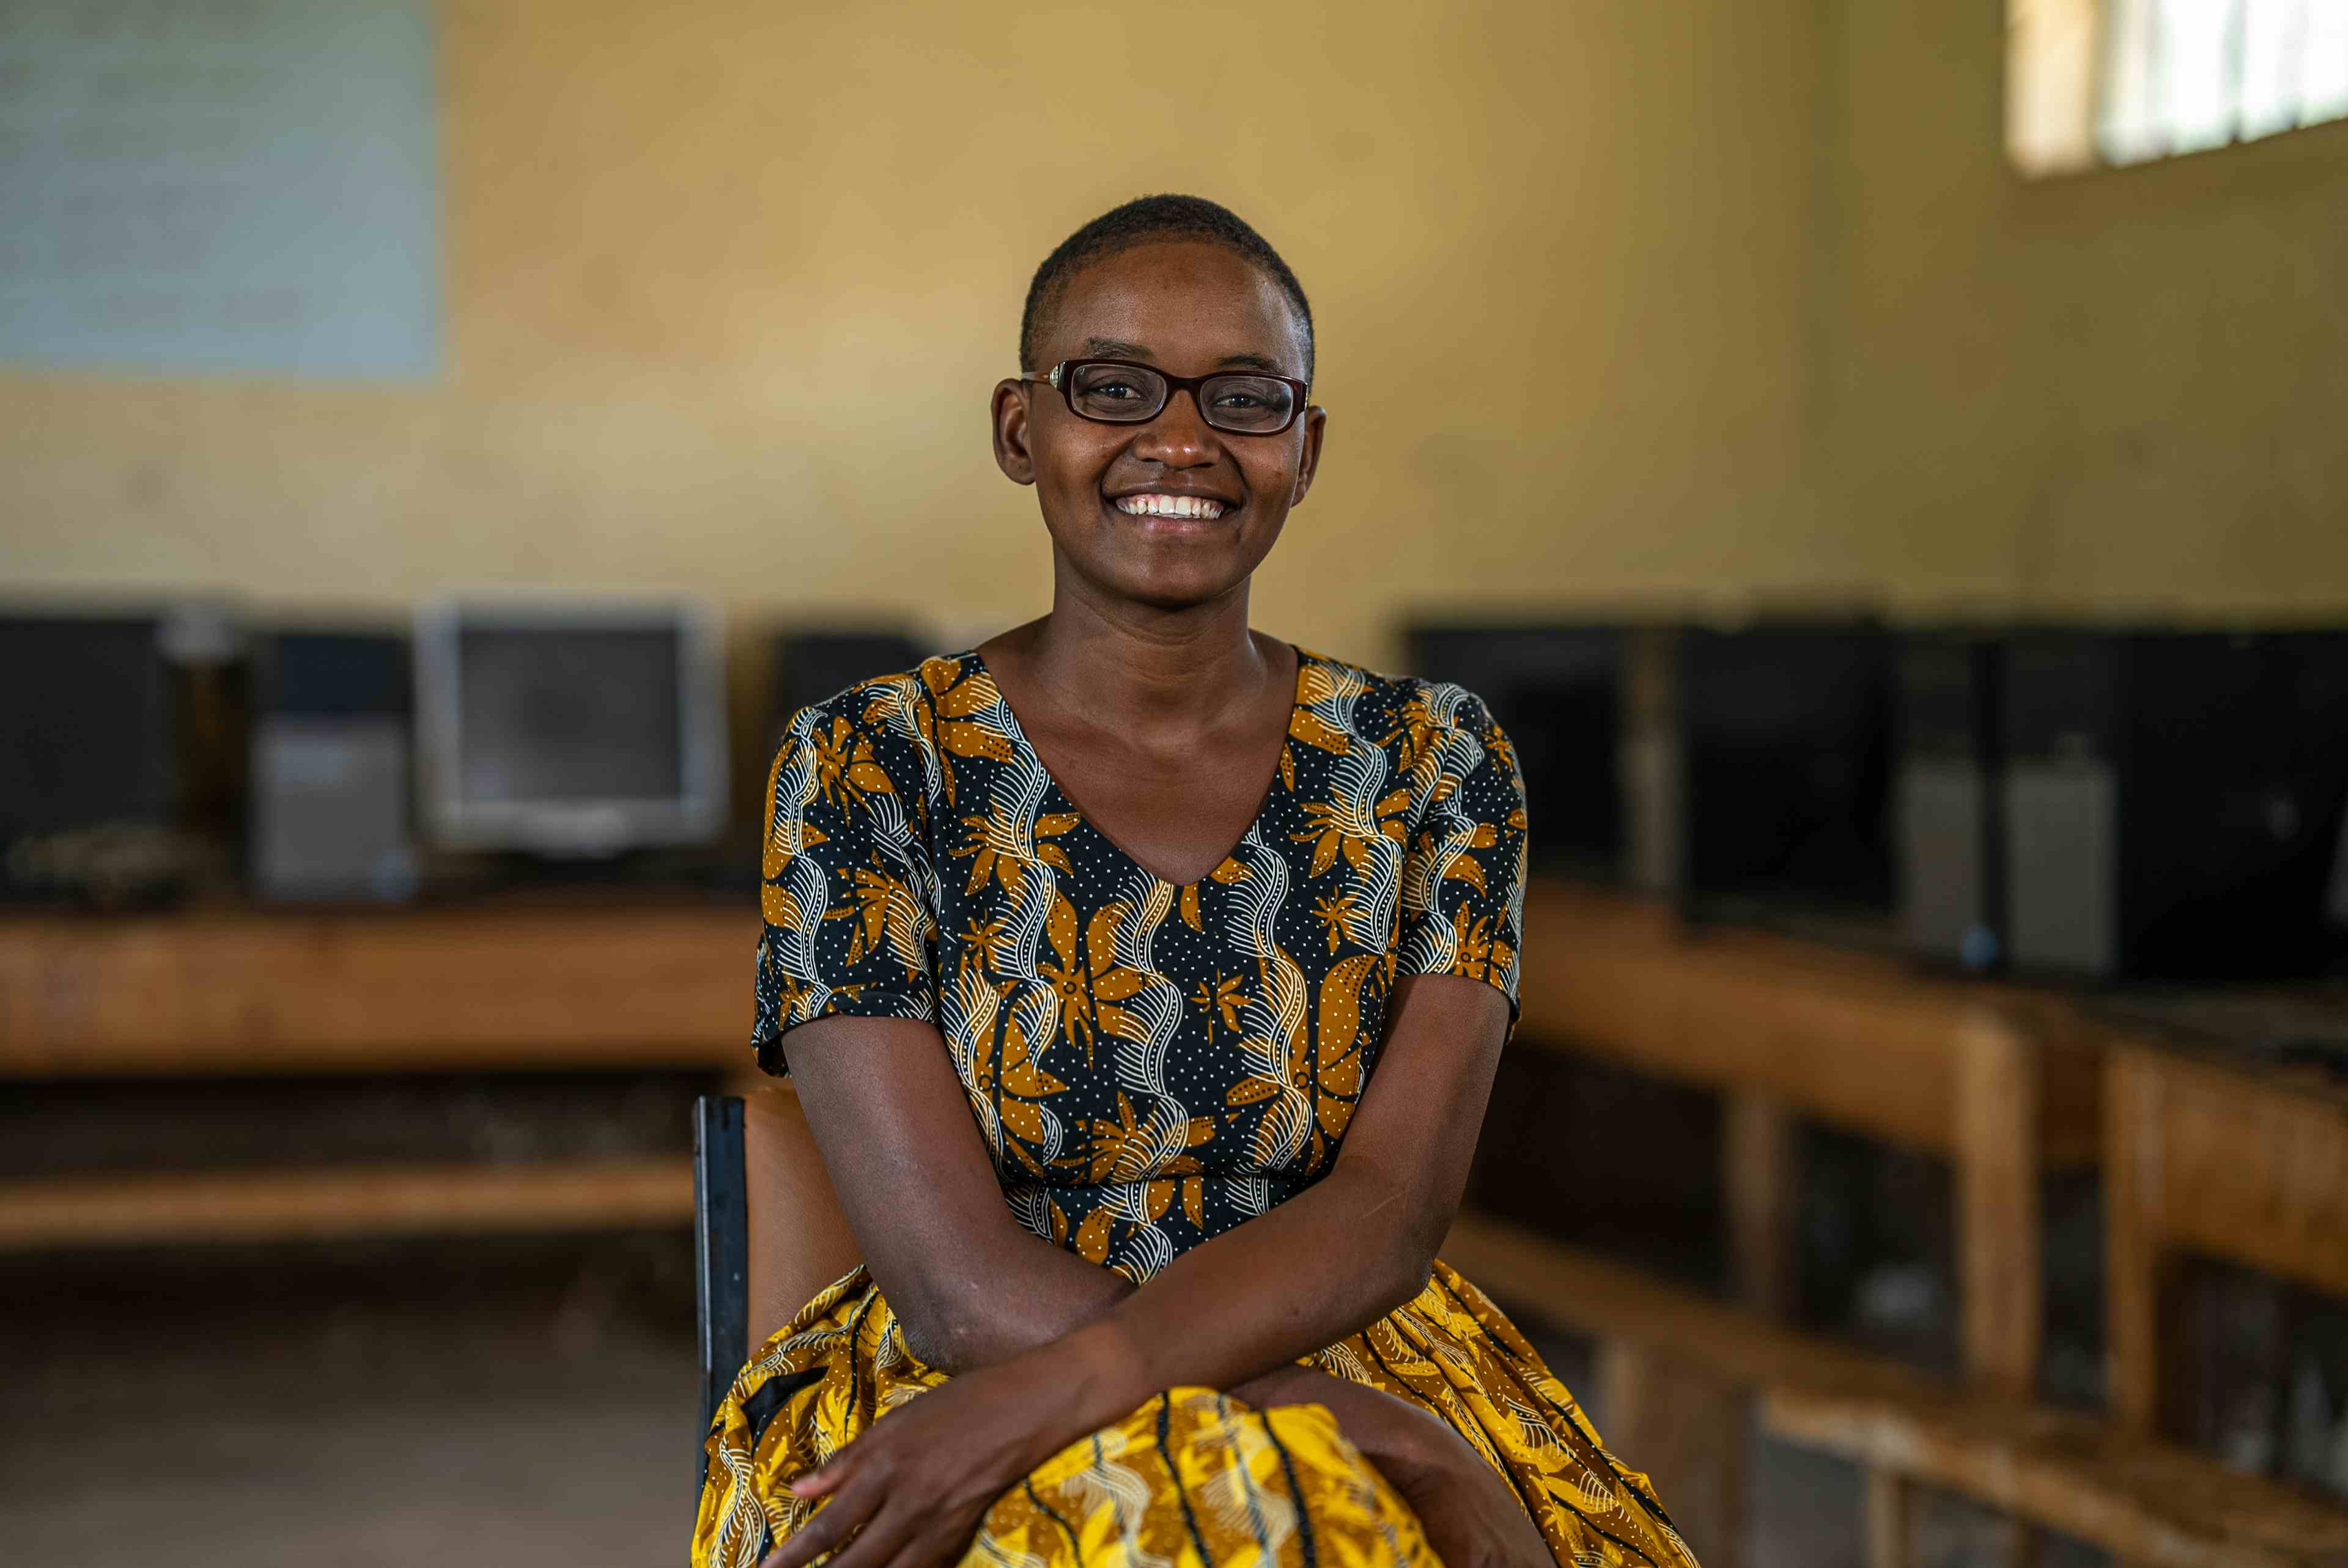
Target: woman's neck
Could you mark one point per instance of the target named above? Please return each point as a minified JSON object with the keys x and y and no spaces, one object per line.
{"x":1140,"y":668}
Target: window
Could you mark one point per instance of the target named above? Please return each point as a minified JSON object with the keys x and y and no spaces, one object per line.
{"x":2092,"y":82}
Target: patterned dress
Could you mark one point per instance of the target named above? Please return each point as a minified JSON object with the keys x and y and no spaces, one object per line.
{"x":1151,"y":1064}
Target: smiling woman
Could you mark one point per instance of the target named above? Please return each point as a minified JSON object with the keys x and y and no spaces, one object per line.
{"x":1143,"y":977}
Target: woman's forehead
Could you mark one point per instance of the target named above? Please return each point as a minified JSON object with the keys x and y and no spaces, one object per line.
{"x":1187,"y":305}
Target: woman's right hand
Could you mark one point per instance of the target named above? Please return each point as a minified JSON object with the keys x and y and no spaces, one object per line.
{"x":1473,"y":1518}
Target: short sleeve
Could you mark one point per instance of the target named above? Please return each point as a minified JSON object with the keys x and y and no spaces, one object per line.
{"x":1463,"y":881}
{"x":848,"y":896}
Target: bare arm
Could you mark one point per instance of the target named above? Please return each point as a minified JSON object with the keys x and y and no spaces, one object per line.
{"x":918,"y":1189}
{"x":1346,"y":1250}
{"x":972,"y":1287}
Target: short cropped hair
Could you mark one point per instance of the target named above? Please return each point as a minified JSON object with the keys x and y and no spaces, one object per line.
{"x":1138,"y":223}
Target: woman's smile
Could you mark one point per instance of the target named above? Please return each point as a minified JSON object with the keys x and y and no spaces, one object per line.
{"x":1169,"y":513}
{"x":1159,"y":504}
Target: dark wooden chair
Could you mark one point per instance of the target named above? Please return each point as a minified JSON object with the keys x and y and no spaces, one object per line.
{"x":768,"y":1231}
{"x":721,"y":1245}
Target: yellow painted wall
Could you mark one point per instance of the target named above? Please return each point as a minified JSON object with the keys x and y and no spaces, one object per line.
{"x":1649,"y":302}
{"x":2121,"y":393}
{"x":729,"y":282}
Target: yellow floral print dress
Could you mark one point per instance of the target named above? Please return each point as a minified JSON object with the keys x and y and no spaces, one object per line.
{"x":1150,"y":1065}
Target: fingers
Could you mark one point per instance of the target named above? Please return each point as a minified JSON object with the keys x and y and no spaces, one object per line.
{"x":852,"y":1507}
{"x":930,"y":1551}
{"x":821,"y":1480}
{"x":876,"y":1535}
{"x":878,"y":1542}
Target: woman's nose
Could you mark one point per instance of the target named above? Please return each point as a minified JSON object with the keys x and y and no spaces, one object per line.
{"x":1179,"y":436}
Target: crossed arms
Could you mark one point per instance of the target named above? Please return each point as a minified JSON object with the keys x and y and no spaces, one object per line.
{"x":972,"y":1287}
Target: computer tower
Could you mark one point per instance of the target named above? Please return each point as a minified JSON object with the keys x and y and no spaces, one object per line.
{"x":812,"y":665}
{"x":88,"y":765}
{"x":1786,"y":740}
{"x":2174,"y":801}
{"x":331,"y":767}
{"x":1947,"y":797}
{"x":1558,"y":692}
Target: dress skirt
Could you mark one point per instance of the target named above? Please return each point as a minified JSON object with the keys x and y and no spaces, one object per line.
{"x":1194,"y":1477}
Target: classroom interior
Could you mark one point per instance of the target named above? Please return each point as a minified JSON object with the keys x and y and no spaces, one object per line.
{"x":1881,"y":464}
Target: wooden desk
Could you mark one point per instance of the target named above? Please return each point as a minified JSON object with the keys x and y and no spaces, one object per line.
{"x":2209,"y":1152}
{"x":373,"y":991}
{"x":470,"y":990}
{"x":2001,"y":1082}
{"x":69,"y":1212}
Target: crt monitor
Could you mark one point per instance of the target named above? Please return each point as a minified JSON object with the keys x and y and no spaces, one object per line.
{"x":570,"y":727}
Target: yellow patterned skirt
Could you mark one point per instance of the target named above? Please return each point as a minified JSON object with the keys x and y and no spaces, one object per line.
{"x":1194,"y":1477}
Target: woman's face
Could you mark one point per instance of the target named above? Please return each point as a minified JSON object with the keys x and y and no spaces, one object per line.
{"x":1190,"y":309}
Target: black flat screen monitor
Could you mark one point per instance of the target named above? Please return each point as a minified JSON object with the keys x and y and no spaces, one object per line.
{"x":1557,"y":689}
{"x":86,"y":737}
{"x":1786,"y":732}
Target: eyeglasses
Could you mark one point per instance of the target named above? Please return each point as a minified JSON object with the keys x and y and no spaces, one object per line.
{"x":1119,"y":392}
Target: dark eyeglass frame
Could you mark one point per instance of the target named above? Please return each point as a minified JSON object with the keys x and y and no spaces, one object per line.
{"x":1062,"y":377}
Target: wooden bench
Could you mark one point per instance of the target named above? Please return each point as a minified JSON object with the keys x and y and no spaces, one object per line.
{"x":2210,"y":1153}
{"x":1678,"y":1373}
{"x":2001,"y":1082}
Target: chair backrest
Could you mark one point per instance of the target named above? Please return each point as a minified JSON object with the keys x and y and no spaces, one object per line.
{"x":768,"y":1231}
{"x":800,"y":1239}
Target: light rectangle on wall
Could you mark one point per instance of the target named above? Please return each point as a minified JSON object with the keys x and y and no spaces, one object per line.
{"x":219,"y":185}
{"x":2092,"y":82}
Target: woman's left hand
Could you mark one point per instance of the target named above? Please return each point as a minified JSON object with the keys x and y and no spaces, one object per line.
{"x":911,"y":1489}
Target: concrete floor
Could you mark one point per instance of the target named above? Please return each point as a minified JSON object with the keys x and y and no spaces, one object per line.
{"x":524,"y":1403}
{"x":546,"y":1425}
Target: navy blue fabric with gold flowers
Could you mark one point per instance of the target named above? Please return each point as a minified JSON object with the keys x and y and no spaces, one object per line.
{"x":1150,"y":1063}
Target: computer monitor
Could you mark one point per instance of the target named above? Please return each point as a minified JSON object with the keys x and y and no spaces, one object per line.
{"x":86,"y":733}
{"x":1785,"y":736}
{"x":811,"y":665}
{"x":1557,"y":689}
{"x":570,"y":727}
{"x":87,"y":741}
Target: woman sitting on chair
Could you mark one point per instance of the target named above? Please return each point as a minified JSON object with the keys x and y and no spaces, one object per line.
{"x":1143,"y":977}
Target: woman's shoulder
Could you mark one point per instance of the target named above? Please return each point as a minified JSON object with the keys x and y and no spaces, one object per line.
{"x":1388,"y":706}
{"x":880,"y":732}
{"x":882,"y":704}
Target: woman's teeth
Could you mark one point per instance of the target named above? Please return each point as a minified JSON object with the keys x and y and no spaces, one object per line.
{"x":1156,"y":505}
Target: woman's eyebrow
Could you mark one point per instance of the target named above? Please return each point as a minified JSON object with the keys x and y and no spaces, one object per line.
{"x":1118,"y":348}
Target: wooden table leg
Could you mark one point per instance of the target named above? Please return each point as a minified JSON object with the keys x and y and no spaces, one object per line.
{"x":1761,"y":1173}
{"x":1887,"y":1518}
{"x":1890,"y":1526}
{"x":2133,"y":1277}
{"x":1692,"y":1433}
{"x":1998,"y":1220}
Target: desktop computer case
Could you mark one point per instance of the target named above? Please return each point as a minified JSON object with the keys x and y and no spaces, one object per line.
{"x":2174,"y":801}
{"x":332,"y":757}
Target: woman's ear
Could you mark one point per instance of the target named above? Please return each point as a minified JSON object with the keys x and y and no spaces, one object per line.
{"x":1316,"y":426}
{"x":1010,"y":413}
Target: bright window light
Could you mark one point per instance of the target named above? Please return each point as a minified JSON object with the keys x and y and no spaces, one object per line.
{"x":2092,"y":82}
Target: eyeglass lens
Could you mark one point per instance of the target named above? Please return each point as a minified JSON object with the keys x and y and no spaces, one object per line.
{"x":1127,"y":395}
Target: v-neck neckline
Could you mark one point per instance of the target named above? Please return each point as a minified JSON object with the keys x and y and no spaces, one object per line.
{"x":1272,"y":790}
